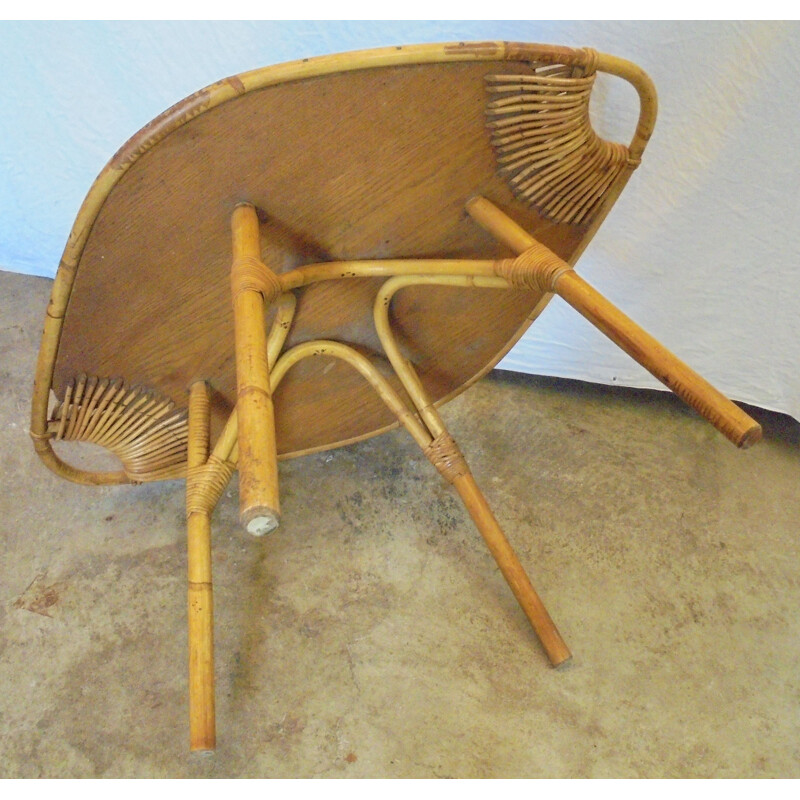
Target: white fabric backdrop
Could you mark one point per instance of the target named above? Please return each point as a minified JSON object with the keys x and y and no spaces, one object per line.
{"x":701,"y":249}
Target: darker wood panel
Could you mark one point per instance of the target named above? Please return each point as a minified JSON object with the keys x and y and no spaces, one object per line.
{"x":370,"y":164}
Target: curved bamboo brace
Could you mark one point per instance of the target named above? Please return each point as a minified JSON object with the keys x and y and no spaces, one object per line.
{"x":335,"y":270}
{"x":402,"y":367}
{"x":323,"y":347}
{"x":538,"y":267}
{"x":444,"y":453}
{"x":387,"y":268}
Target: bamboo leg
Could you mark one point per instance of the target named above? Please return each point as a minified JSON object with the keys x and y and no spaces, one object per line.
{"x":444,"y":454}
{"x":537,"y":267}
{"x":513,"y":571}
{"x":202,"y":728}
{"x":446,"y":457}
{"x":252,"y":284}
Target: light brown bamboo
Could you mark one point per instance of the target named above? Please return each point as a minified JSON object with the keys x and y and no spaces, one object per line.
{"x":286,"y":305}
{"x":725,"y":416}
{"x":463,"y":481}
{"x":281,"y":325}
{"x":405,"y":371}
{"x":259,"y":508}
{"x":476,"y":504}
{"x":512,"y":570}
{"x":387,"y":268}
{"x":359,"y":362}
{"x":202,"y":725}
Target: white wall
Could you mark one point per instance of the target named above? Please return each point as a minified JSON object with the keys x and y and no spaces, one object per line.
{"x":701,"y":249}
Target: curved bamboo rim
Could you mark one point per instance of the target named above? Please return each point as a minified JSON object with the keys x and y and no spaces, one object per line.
{"x":228,"y":89}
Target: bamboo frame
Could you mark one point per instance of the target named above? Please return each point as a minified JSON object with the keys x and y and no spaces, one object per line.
{"x":546,"y":146}
{"x":425,"y":434}
{"x":461,"y":478}
{"x":539,"y":267}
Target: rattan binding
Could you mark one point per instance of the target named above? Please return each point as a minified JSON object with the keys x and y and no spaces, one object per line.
{"x":545,"y":144}
{"x":145,"y":431}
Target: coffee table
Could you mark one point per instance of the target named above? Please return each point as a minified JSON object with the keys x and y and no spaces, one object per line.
{"x":307,"y":255}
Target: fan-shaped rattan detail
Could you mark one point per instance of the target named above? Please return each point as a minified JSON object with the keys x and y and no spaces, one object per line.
{"x":545,"y":144}
{"x":145,"y":431}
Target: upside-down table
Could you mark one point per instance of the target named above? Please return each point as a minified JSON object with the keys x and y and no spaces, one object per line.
{"x":307,"y":255}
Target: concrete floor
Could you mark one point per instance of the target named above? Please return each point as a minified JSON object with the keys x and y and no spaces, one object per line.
{"x":372,"y":635}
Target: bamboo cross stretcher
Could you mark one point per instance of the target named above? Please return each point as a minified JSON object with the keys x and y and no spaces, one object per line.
{"x":554,"y":165}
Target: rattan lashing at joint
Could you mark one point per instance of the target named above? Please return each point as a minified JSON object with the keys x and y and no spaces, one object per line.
{"x":205,"y":485}
{"x":592,"y":60}
{"x":249,"y":273}
{"x":444,"y":454}
{"x":537,"y":268}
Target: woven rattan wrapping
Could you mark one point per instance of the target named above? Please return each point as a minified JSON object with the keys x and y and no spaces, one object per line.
{"x":143,"y":430}
{"x":537,"y":268}
{"x":444,"y":454}
{"x":545,"y":144}
{"x":205,"y":485}
{"x":250,"y":274}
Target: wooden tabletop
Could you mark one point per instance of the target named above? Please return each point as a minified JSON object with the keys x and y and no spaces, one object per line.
{"x":363,"y":156}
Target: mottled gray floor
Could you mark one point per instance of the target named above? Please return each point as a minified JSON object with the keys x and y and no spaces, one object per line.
{"x":372,"y":635}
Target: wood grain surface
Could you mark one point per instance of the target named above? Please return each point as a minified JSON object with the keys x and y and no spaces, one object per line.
{"x":373,"y":163}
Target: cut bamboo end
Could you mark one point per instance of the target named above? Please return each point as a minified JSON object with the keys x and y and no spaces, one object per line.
{"x":751,"y":436}
{"x":259,"y":521}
